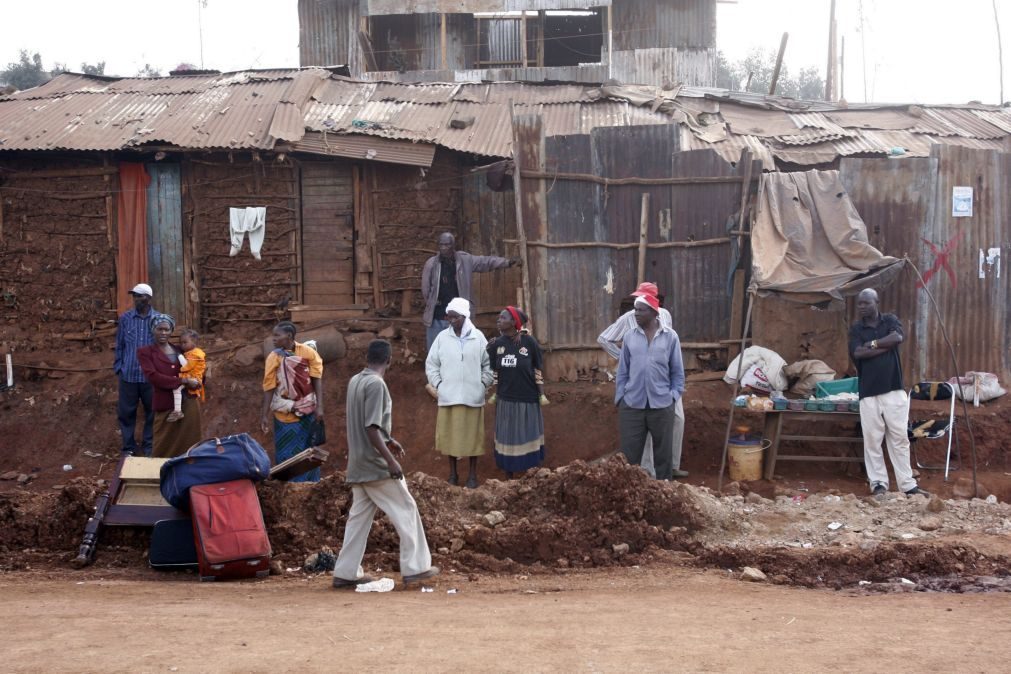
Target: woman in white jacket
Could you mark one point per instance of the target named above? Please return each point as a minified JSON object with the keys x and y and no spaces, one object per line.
{"x":459,"y":368}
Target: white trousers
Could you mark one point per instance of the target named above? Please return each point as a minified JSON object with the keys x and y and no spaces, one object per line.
{"x":393,"y":498}
{"x":242,"y":220}
{"x":676,"y":437}
{"x":886,"y":417}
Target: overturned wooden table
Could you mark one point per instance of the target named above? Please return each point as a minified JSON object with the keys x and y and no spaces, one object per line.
{"x":774,"y":433}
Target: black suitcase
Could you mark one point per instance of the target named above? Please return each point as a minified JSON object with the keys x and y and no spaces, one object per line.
{"x":172,"y":545}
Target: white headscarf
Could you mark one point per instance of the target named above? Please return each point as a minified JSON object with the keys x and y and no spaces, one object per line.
{"x":459,"y":305}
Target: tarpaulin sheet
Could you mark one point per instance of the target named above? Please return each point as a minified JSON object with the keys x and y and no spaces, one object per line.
{"x":131,"y":227}
{"x":809,"y":244}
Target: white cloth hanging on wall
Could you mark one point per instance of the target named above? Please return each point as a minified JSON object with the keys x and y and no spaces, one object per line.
{"x":251,"y":220}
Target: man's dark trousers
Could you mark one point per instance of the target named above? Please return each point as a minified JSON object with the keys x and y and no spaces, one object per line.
{"x":130,"y":394}
{"x":634,"y":424}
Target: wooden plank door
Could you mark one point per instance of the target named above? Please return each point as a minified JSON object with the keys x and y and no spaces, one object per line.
{"x":327,"y":234}
{"x":165,"y":240}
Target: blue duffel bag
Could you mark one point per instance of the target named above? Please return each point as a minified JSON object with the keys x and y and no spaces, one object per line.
{"x":234,"y":457}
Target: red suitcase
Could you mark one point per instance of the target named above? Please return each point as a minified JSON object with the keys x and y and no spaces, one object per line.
{"x":228,"y":529}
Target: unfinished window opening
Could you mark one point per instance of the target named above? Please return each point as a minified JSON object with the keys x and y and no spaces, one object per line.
{"x":555,"y":38}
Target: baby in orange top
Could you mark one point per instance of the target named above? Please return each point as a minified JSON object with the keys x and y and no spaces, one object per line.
{"x":192,"y":365}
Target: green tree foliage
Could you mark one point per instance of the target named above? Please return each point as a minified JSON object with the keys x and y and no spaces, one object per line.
{"x":759,"y":65}
{"x":26,"y":72}
{"x":149,"y":71}
{"x":97,"y":69}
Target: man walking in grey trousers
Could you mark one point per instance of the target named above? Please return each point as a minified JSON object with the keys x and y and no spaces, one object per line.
{"x":376,"y":478}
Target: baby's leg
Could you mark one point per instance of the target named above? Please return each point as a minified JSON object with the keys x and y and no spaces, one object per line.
{"x":177,"y":399}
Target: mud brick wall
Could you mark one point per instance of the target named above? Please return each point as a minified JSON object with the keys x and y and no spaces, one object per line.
{"x":410,"y":208}
{"x":57,"y":255}
{"x":241,"y":291}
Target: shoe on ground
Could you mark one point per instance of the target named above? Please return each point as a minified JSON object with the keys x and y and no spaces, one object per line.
{"x":431,"y":573}
{"x":341,"y":583}
{"x":917,"y":491}
{"x":879,"y":491}
{"x":679,"y":473}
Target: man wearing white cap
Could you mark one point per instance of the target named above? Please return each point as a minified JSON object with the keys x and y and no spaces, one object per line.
{"x":132,"y":332}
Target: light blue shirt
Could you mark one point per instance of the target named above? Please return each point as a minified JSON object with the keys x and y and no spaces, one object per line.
{"x":650,"y":374}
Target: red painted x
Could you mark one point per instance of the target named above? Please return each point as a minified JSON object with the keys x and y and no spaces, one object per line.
{"x":942,"y":259}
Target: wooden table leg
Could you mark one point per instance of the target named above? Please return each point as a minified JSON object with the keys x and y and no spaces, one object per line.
{"x":773,"y":426}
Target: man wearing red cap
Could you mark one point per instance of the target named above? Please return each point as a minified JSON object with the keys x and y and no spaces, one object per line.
{"x":610,"y":339}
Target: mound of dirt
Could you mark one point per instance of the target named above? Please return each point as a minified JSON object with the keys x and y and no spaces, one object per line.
{"x":579,"y":515}
{"x":840,"y":567}
{"x":576,"y":516}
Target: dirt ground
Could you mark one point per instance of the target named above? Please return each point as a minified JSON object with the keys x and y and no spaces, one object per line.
{"x":583,"y":564}
{"x":652,"y":619}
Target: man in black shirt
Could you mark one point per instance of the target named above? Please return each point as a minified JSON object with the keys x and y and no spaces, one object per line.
{"x":447,"y":276}
{"x":884,"y":407}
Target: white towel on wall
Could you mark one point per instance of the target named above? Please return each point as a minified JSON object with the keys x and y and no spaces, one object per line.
{"x":252,"y":220}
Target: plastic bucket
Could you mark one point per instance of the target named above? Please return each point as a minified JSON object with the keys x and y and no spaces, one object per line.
{"x":745,"y":458}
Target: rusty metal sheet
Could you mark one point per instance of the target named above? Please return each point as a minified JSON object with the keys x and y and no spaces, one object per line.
{"x":974,"y":306}
{"x":231,"y":110}
{"x":369,"y":148}
{"x":757,"y":122}
{"x":896,"y":201}
{"x":415,"y":93}
{"x":664,"y":66}
{"x":965,"y":123}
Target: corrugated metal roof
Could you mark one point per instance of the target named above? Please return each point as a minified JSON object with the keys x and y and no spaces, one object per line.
{"x":965,"y":123}
{"x":255,"y":109}
{"x":250,"y":109}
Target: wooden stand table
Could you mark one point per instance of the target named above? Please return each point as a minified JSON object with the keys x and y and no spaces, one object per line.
{"x":774,"y":433}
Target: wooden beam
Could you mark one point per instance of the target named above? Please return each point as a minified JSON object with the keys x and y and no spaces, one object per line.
{"x":541,"y":16}
{"x":521,"y":231}
{"x":621,"y":246}
{"x":523,"y":39}
{"x":66,"y":173}
{"x":590,"y":178}
{"x":442,"y":39}
{"x":643,"y":238}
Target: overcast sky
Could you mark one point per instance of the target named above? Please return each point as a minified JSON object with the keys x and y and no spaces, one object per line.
{"x":916,"y":50}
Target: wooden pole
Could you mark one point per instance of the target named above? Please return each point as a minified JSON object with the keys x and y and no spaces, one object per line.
{"x":737,"y":297}
{"x":541,"y":16}
{"x":521,"y":232}
{"x":737,"y":389}
{"x":830,"y":68}
{"x":1000,"y":52}
{"x":523,"y":39}
{"x":643,"y":237}
{"x":442,"y":39}
{"x":779,"y":64}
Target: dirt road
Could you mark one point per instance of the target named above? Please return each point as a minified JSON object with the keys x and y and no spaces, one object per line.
{"x":661,"y":619}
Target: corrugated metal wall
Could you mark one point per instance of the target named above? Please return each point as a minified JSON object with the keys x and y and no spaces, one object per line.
{"x":906,"y":205}
{"x":642,"y":24}
{"x":661,"y":66}
{"x":328,"y":34}
{"x":583,"y":287}
{"x":500,"y":42}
